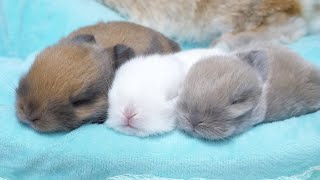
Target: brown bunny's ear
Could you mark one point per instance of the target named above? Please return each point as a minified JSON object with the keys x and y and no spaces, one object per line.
{"x":121,"y":53}
{"x":84,"y":38}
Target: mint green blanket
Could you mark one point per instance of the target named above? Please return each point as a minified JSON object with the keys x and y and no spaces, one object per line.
{"x":282,"y":150}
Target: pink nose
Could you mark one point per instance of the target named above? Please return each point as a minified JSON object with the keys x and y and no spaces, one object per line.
{"x":129,"y":114}
{"x":129,"y":117}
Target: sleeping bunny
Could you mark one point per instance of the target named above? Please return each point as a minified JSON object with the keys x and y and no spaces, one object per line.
{"x":223,"y":96}
{"x":68,"y":83}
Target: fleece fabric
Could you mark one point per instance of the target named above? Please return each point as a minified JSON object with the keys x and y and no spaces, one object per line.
{"x":288,"y":149}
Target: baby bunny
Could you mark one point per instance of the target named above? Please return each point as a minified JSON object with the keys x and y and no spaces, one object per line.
{"x":68,"y":83}
{"x":226,"y":95}
{"x":143,"y":94}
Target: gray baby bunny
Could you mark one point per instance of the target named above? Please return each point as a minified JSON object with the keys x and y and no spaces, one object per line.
{"x":226,"y":95}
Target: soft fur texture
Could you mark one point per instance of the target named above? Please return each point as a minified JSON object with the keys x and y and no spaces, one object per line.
{"x":311,"y":12}
{"x":270,"y":151}
{"x":205,"y":20}
{"x":190,"y":57}
{"x":226,"y":95}
{"x":142,"y":97}
{"x":143,"y":40}
{"x":67,"y":84}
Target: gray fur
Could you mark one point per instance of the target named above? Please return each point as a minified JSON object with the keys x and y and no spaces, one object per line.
{"x":258,"y":59}
{"x":294,"y":87}
{"x":225,"y":96}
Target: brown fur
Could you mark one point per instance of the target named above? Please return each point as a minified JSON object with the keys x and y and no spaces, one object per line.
{"x":49,"y":86}
{"x":68,"y":83}
{"x":143,"y":40}
{"x":203,"y":20}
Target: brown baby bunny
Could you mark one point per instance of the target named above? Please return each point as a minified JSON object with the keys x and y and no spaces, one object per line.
{"x":227,"y":95}
{"x":68,"y":83}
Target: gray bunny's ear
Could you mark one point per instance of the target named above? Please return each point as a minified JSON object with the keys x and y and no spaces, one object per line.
{"x":258,"y":59}
{"x":84,"y":38}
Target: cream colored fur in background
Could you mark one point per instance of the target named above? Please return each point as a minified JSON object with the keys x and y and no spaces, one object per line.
{"x":206,"y":20}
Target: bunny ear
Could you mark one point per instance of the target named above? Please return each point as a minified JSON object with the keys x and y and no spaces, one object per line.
{"x":240,"y":109}
{"x":258,"y":59}
{"x":84,"y":38}
{"x":121,"y":54}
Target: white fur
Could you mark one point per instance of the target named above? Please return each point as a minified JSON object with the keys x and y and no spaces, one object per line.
{"x":147,"y":84}
{"x":150,"y":85}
